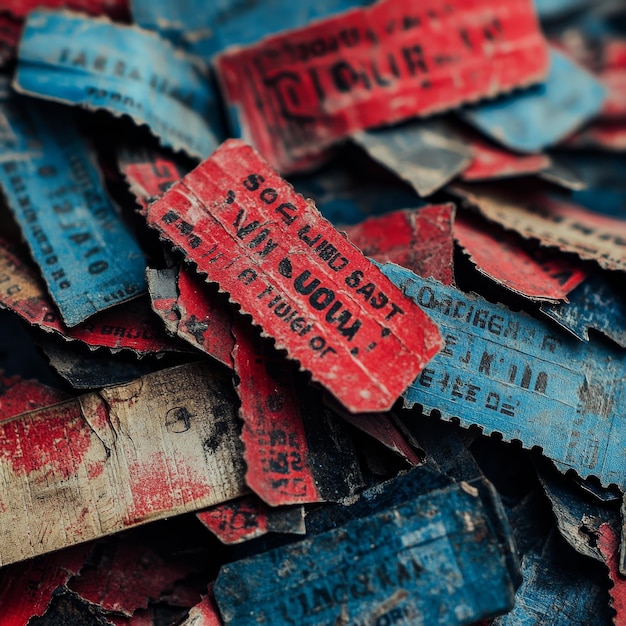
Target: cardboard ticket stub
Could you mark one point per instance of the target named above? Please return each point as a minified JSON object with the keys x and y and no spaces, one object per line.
{"x":526,"y":271}
{"x":131,"y":325}
{"x":18,"y":396}
{"x":249,"y":517}
{"x":426,"y":154}
{"x":554,"y":222}
{"x":406,"y":564}
{"x":164,"y":444}
{"x":419,"y":239}
{"x":27,"y":588}
{"x":307,"y":287}
{"x":598,"y":303}
{"x":299,"y":91}
{"x":193,"y":311}
{"x":542,"y":116}
{"x":607,"y":135}
{"x":149,"y":173}
{"x":296,"y":450}
{"x":489,"y":160}
{"x":517,"y":376}
{"x":87,"y":256}
{"x":96,"y":64}
{"x":205,"y":613}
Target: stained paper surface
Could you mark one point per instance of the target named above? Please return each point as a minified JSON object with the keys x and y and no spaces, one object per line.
{"x":164,"y":444}
{"x":96,"y":64}
{"x":517,"y":376}
{"x":295,"y":93}
{"x":300,"y":279}
{"x":88,"y":257}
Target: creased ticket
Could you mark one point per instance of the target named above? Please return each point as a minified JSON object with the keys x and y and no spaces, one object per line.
{"x":97,"y":64}
{"x":164,"y":444}
{"x":299,"y":91}
{"x":88,"y":258}
{"x":512,"y":374}
{"x":554,"y":222}
{"x":306,"y":286}
{"x":131,"y":326}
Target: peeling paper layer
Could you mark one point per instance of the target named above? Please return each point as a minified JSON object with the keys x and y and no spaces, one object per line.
{"x":249,"y":517}
{"x":88,"y":258}
{"x":511,"y":374}
{"x":418,"y":239}
{"x":130,"y":326}
{"x":124,"y":70}
{"x":426,"y":154}
{"x":523,"y":270}
{"x":162,"y":445}
{"x":553,"y":222}
{"x":19,"y":396}
{"x":297,"y":92}
{"x":307,"y":287}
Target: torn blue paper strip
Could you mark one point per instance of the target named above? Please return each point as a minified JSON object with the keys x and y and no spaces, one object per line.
{"x":88,"y":258}
{"x":598,"y":303}
{"x":541,"y":116}
{"x":124,"y":70}
{"x":425,"y":153}
{"x":512,"y":374}
{"x":435,"y":560}
{"x":205,"y":28}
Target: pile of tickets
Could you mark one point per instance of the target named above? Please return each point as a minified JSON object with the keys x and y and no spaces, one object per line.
{"x":313,"y":312}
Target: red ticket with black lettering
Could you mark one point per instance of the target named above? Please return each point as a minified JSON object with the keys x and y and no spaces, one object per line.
{"x":301,"y":280}
{"x":303,"y":90}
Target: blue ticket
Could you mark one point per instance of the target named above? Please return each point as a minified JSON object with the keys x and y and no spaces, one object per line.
{"x":541,"y":116}
{"x":555,"y":9}
{"x":94,"y":63}
{"x":88,"y":258}
{"x":426,"y":154}
{"x":435,"y":559}
{"x":598,"y":303}
{"x":205,"y":28}
{"x":512,"y":374}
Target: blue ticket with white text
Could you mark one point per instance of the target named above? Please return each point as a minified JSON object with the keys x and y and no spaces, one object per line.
{"x":124,"y":70}
{"x":88,"y":258}
{"x":518,"y":376}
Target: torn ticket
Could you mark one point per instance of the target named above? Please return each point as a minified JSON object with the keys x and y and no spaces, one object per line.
{"x":299,"y":279}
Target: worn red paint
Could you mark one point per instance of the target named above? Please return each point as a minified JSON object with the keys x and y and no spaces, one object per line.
{"x":300,"y":279}
{"x":26,"y":588}
{"x":127,"y":576}
{"x":57,"y":440}
{"x":236,"y":521}
{"x":130,"y":326}
{"x":490,"y":160}
{"x":418,"y":239}
{"x":305,"y":89}
{"x":150,"y":487}
{"x":205,"y":613}
{"x":511,"y":262}
{"x":279,"y":469}
{"x":607,"y":134}
{"x":20,"y":396}
{"x":608,"y":544}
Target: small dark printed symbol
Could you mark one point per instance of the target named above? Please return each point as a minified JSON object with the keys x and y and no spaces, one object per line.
{"x":178,"y":420}
{"x":230,"y":197}
{"x":285,"y":268}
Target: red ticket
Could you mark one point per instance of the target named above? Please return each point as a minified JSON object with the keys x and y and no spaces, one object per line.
{"x":131,"y":325}
{"x":307,"y":287}
{"x":117,"y":9}
{"x":508,"y":259}
{"x":305,"y":89}
{"x":418,"y":239}
{"x":20,"y":396}
{"x":290,"y":458}
{"x":10,"y":31}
